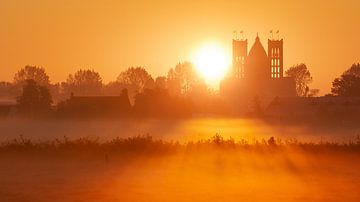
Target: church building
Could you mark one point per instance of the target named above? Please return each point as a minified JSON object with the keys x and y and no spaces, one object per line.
{"x":257,"y":72}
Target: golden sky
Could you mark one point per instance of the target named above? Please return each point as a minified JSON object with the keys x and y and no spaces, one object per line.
{"x":111,"y":35}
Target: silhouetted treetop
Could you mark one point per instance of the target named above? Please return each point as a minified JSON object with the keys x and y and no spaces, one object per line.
{"x":37,"y":74}
{"x":114,"y":88}
{"x":182,"y":78}
{"x":137,"y":78}
{"x":83,"y":82}
{"x":349,"y":82}
{"x":161,"y":82}
{"x":353,"y":70}
{"x":302,"y":77}
{"x":35,"y":98}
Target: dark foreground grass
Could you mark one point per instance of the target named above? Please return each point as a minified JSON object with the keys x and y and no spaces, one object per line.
{"x":150,"y":146}
{"x":146,"y":169}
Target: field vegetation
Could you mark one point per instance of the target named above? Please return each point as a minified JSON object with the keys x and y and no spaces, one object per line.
{"x":143,"y":168}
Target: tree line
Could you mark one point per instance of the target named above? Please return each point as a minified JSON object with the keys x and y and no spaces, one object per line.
{"x":182,"y":80}
{"x":347,"y":85}
{"x":35,"y":93}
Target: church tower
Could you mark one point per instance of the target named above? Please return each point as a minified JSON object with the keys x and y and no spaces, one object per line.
{"x":239,"y":58}
{"x":275,"y":54}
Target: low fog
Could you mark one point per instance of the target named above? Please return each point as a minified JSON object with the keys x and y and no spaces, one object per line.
{"x":182,"y":130}
{"x":210,"y":175}
{"x":146,"y":170}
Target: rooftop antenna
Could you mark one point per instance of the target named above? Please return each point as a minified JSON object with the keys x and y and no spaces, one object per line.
{"x":277,"y":34}
{"x":271,"y":35}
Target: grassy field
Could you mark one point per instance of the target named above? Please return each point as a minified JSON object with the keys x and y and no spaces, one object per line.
{"x":145,"y":169}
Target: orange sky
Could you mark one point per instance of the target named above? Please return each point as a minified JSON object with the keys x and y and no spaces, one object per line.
{"x":111,"y":35}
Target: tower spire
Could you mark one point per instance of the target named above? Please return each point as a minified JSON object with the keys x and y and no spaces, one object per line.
{"x":257,"y":37}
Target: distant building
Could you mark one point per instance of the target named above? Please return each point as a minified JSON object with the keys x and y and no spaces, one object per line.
{"x":257,"y":72}
{"x":7,"y":108}
{"x":96,"y":106}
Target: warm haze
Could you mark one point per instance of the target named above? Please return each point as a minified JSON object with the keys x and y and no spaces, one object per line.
{"x":109,"y":36}
{"x":209,"y":100}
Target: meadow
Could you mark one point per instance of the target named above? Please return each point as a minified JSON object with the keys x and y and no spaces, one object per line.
{"x":143,"y":168}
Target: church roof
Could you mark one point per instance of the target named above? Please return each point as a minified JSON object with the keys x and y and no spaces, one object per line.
{"x":257,"y":50}
{"x":258,"y":62}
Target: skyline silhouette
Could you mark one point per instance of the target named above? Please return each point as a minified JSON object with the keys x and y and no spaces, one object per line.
{"x":274,"y":58}
{"x":110,"y":37}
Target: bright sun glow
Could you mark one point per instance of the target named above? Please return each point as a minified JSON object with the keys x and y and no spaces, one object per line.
{"x":212,"y":63}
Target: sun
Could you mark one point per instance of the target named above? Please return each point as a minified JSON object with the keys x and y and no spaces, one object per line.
{"x":211,"y":62}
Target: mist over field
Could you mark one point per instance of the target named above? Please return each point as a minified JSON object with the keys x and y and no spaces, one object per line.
{"x":92,"y":164}
{"x":182,"y":130}
{"x":156,"y":101}
{"x":147,"y":170}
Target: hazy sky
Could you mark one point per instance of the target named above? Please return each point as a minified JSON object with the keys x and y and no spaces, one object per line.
{"x":111,"y":35}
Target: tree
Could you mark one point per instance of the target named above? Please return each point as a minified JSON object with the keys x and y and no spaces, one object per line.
{"x":55,"y":90}
{"x":257,"y":108}
{"x":35,"y":98}
{"x":161,"y":82}
{"x":137,"y":78}
{"x":349,"y":82}
{"x":313,"y":92}
{"x":114,"y":88}
{"x":173,"y":83}
{"x":37,"y":74}
{"x":302,"y":78}
{"x":83,"y":82}
{"x":182,"y":78}
{"x":200,"y":91}
{"x":354,"y":70}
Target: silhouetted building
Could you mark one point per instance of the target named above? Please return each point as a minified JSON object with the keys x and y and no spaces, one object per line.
{"x":96,"y":106}
{"x":8,"y":108}
{"x":257,"y":73}
{"x":158,"y":103}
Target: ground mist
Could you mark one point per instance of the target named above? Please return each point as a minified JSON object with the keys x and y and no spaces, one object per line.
{"x":143,"y":168}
